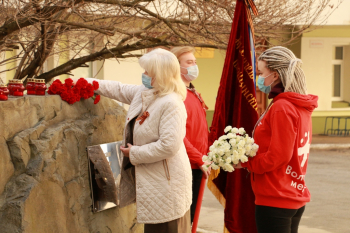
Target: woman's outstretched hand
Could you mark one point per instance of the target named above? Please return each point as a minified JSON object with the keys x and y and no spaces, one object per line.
{"x":126,"y":150}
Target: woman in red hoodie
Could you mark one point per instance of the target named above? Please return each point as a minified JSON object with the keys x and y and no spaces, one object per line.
{"x":283,"y":134}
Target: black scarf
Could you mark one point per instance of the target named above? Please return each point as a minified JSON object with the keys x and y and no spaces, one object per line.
{"x":277,"y":89}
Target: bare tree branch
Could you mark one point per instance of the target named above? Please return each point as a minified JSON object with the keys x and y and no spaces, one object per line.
{"x":93,"y":30}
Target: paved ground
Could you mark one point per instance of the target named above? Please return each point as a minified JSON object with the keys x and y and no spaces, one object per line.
{"x":330,"y":140}
{"x":328,"y":179}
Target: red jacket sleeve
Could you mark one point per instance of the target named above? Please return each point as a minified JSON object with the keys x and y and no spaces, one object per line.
{"x":280,"y":151}
{"x":193,"y":154}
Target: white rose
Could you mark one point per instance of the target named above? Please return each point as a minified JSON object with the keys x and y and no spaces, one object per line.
{"x":216,"y":143}
{"x":226,"y":146}
{"x":252,"y":153}
{"x":230,"y":135}
{"x":221,"y":151}
{"x":241,"y":131}
{"x":228,"y":128}
{"x":244,"y":159}
{"x":235,"y":161}
{"x":211,"y":155}
{"x":205,"y":168}
{"x":241,"y":152}
{"x":228,"y":154}
{"x":214,"y":166}
{"x":223,"y":138}
{"x":233,"y":142}
{"x":248,"y":148}
{"x":228,"y":160}
{"x":241,"y":143}
{"x":212,"y":147}
{"x":255,"y":147}
{"x":221,"y":163}
{"x":234,"y":130}
{"x":205,"y":158}
{"x":228,"y":167}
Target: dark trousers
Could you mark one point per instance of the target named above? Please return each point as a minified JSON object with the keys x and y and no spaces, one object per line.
{"x":180,"y":225}
{"x":277,"y":220}
{"x":196,"y":184}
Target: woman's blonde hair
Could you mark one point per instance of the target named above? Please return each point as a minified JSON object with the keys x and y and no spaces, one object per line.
{"x":179,"y":51}
{"x":164,"y":69}
{"x":288,"y":66}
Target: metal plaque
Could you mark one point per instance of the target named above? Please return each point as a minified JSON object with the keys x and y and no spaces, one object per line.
{"x":104,"y":168}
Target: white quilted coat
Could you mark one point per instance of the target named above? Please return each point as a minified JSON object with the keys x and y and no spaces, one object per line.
{"x":162,"y":168}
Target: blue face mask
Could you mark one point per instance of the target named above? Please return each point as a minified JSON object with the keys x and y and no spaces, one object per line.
{"x":147,"y":81}
{"x":261,"y":85}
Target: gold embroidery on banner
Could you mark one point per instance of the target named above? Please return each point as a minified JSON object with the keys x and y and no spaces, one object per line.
{"x":249,"y":70}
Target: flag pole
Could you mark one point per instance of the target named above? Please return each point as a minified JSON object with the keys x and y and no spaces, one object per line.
{"x":199,"y":204}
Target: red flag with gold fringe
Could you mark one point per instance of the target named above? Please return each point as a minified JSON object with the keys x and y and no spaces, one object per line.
{"x":236,"y":106}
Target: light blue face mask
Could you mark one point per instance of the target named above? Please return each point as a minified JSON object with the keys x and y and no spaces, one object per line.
{"x":147,"y":81}
{"x":261,"y":85}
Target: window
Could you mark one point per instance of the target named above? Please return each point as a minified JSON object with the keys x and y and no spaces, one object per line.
{"x":336,"y":82}
{"x":338,"y":53}
{"x":337,"y":72}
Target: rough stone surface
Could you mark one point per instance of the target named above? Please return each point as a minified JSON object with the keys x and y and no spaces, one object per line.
{"x":44,"y":179}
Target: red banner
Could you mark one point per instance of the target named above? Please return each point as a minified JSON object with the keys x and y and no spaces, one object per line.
{"x":236,"y":106}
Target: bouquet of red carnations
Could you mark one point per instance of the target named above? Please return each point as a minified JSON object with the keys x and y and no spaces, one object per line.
{"x":72,"y":93}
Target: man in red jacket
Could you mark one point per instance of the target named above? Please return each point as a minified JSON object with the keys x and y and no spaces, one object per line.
{"x":196,"y":140}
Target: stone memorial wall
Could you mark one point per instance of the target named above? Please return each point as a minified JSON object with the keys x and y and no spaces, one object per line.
{"x":44,"y":177}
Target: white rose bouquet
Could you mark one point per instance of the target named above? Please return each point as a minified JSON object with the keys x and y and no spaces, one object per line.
{"x":231,"y":148}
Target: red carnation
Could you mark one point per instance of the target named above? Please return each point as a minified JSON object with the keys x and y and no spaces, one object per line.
{"x":81,"y":83}
{"x":55,"y":87}
{"x":96,"y":99}
{"x":96,"y":85}
{"x":90,"y":90}
{"x":68,"y":82}
{"x":85,"y":95}
{"x":73,"y":93}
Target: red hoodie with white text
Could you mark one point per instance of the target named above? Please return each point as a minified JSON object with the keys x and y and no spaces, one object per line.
{"x":284,"y":137}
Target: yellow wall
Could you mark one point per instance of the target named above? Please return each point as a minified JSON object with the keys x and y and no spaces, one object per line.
{"x":10,"y":74}
{"x":64,"y":56}
{"x":318,"y":67}
{"x":329,"y":31}
{"x":210,"y":70}
{"x":127,"y":71}
{"x":321,"y":125}
{"x":346,"y":75}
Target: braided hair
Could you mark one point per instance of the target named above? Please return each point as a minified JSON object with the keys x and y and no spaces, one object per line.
{"x":288,"y":67}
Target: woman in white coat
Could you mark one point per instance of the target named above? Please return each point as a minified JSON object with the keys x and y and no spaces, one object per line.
{"x":156,"y":170}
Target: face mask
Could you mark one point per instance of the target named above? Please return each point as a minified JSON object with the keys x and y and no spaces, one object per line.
{"x":147,"y":81}
{"x":261,"y":85}
{"x":192,"y":73}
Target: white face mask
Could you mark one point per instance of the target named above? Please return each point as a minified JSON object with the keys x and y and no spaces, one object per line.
{"x":192,"y":73}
